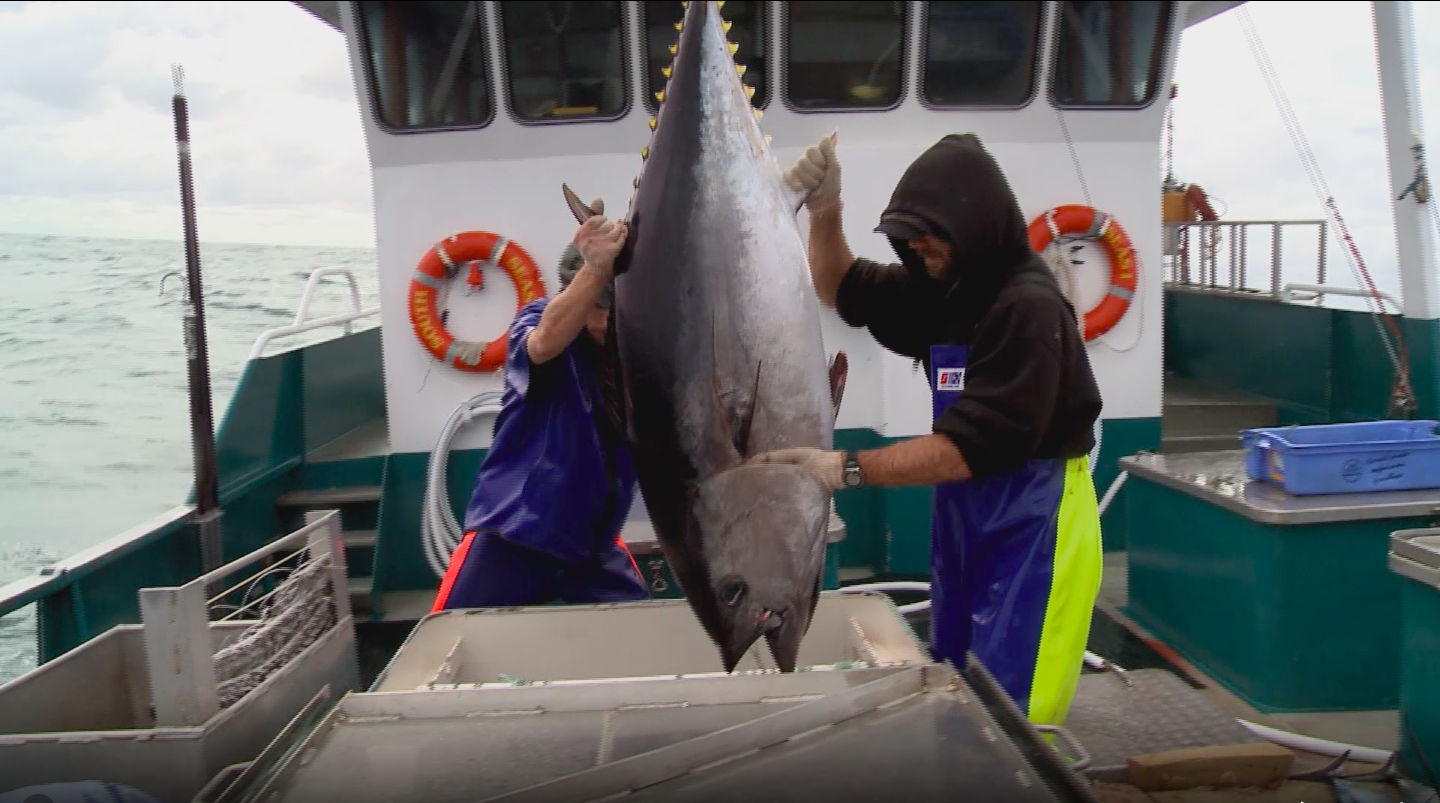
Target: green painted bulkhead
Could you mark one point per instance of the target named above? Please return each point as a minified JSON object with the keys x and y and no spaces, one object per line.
{"x":1318,"y":365}
{"x":1419,"y":687}
{"x":1290,"y":617}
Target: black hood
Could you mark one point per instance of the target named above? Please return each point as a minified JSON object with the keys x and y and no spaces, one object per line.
{"x":956,"y":191}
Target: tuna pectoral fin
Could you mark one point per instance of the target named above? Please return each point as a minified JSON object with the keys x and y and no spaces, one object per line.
{"x":578,"y":208}
{"x":839,"y":368}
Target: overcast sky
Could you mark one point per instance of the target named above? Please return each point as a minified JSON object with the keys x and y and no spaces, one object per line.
{"x":86,"y":138}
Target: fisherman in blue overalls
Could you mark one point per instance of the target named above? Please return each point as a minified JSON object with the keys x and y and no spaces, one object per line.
{"x":1015,"y":536}
{"x":551,"y":497}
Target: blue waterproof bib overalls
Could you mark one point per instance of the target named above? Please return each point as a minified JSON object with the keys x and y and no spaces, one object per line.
{"x":1015,"y":567}
{"x":552,"y":495}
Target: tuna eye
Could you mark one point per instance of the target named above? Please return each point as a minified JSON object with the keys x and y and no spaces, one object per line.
{"x":732,"y":592}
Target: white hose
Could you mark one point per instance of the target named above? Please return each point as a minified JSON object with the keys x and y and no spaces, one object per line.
{"x":440,"y":532}
{"x":1310,"y":744}
{"x":1114,"y":489}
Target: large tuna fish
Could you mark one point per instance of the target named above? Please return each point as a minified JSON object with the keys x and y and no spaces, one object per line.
{"x":716,"y":330}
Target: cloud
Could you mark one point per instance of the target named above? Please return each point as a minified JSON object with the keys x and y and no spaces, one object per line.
{"x":86,"y":137}
{"x":87,"y":133}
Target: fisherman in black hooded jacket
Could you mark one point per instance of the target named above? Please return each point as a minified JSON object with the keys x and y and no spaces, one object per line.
{"x":1015,"y":535}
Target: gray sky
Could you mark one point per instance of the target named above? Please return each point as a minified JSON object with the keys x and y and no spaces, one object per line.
{"x":86,"y":138}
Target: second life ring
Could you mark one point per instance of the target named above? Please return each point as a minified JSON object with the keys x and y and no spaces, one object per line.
{"x":1076,"y":222}
{"x":439,"y":266}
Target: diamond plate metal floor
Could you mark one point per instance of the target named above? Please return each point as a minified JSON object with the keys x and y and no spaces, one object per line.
{"x":1158,"y":712}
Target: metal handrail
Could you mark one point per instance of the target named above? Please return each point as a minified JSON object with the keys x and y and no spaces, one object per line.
{"x":1296,"y":291}
{"x":59,"y":575}
{"x":303,"y":323}
{"x":1194,"y":262}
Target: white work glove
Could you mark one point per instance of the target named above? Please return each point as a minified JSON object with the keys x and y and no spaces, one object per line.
{"x":827,"y":466}
{"x":817,"y":173}
{"x":599,"y":241}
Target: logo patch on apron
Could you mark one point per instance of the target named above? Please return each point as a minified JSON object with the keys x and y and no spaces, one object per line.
{"x":950,"y":380}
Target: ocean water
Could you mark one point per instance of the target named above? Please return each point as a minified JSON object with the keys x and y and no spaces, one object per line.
{"x":94,"y":404}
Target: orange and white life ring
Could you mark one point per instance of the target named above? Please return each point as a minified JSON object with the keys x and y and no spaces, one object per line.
{"x":439,"y":266}
{"x":1076,"y":222}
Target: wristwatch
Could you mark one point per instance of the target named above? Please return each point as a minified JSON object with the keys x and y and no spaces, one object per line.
{"x":851,"y":474}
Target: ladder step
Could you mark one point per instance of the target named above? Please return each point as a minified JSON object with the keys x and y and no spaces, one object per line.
{"x":320,"y":497}
{"x":360,"y":587}
{"x":356,"y":539}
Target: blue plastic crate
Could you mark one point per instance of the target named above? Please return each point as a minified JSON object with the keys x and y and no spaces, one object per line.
{"x":1345,"y":458}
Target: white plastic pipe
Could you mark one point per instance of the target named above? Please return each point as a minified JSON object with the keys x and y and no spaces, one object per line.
{"x":1112,"y":491}
{"x":1310,"y":744}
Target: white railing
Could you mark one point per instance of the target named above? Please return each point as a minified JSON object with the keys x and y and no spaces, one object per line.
{"x":304,"y":323}
{"x":1214,"y":255}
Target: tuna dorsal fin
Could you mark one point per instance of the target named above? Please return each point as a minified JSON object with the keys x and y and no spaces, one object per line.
{"x":839,"y":369}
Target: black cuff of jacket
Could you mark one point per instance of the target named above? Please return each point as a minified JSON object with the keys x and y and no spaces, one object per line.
{"x":975,"y":448}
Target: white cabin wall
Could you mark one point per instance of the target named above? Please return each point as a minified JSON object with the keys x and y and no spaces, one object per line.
{"x":506,"y":178}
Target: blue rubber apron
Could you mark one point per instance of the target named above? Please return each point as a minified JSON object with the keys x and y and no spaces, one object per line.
{"x":1015,"y":567}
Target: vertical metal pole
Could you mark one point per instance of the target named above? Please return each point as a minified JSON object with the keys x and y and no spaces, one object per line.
{"x":1324,"y":233}
{"x":202,"y":423}
{"x":1410,"y":191}
{"x":1275,"y":260}
{"x":1239,"y":261}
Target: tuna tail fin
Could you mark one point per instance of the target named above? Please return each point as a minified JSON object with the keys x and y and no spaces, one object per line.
{"x":839,"y":369}
{"x":578,"y":208}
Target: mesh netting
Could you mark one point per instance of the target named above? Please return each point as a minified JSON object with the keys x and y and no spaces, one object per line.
{"x":290,"y":619}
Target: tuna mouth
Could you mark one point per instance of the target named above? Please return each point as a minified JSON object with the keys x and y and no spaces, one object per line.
{"x":768,"y":623}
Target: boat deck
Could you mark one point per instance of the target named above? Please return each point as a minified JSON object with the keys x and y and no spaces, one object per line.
{"x":1120,"y":639}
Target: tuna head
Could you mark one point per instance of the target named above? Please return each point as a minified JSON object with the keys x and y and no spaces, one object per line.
{"x":763,"y":530}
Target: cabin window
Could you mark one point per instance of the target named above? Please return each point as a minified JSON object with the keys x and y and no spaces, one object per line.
{"x":1109,"y":53}
{"x":747,"y":29}
{"x":564,"y":60}
{"x":844,"y":55}
{"x":979,"y":53}
{"x":427,"y":64}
